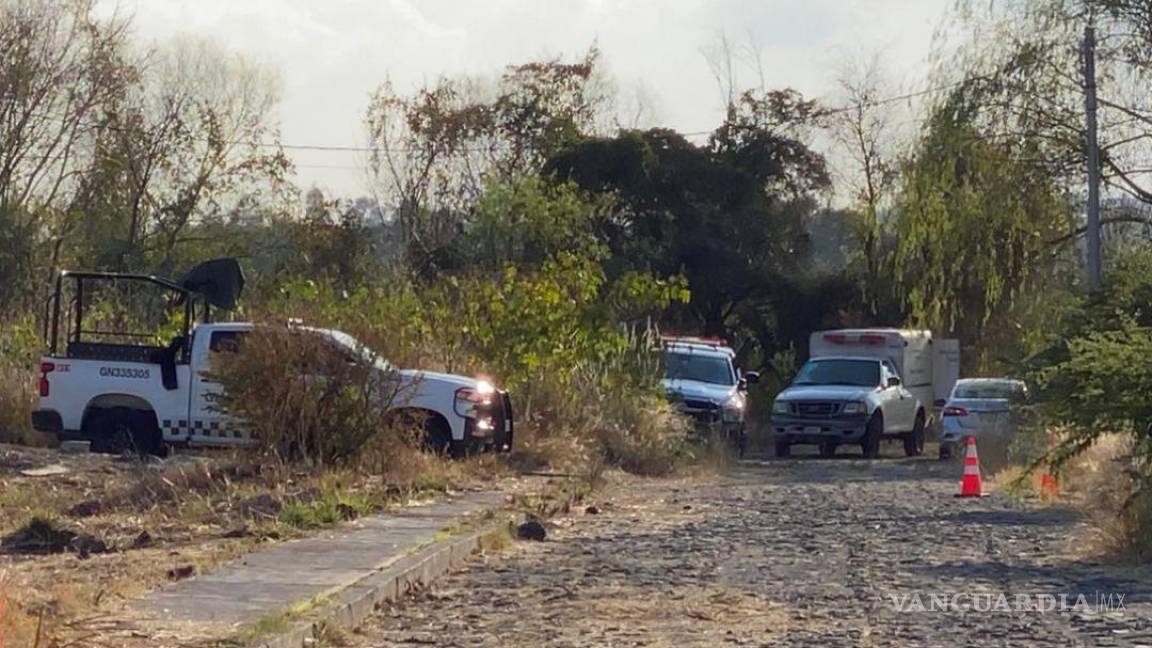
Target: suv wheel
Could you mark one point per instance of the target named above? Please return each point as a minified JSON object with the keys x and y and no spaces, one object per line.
{"x":871,"y":443}
{"x":783,"y":449}
{"x":914,"y":440}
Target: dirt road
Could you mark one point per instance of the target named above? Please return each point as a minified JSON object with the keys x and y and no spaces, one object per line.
{"x":805,"y":552}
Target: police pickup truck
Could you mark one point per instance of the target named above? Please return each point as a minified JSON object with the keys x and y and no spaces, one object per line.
{"x":123,"y":392}
{"x":702,"y":381}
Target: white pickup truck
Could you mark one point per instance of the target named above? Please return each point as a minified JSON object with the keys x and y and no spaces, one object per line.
{"x":865,"y":385}
{"x":140,"y":396}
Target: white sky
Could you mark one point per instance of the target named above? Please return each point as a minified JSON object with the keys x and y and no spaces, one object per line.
{"x":331,"y":54}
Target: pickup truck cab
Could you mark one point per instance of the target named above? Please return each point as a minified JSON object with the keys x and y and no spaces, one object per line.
{"x":847,"y":400}
{"x":144,"y":397}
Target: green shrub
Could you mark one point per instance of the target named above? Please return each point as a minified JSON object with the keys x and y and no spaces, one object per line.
{"x":329,"y":509}
{"x":19,"y":352}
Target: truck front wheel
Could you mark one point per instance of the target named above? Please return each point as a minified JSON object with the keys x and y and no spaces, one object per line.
{"x":914,"y":440}
{"x":438,"y":436}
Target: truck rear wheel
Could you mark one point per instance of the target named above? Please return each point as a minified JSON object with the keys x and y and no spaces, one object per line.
{"x":914,"y":440}
{"x":121,"y":430}
{"x":871,"y":443}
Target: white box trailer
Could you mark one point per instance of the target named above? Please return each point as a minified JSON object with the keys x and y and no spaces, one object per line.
{"x":928,"y":367}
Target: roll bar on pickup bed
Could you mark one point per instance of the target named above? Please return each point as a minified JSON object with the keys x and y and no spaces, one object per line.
{"x":216,"y":283}
{"x":81,"y":279}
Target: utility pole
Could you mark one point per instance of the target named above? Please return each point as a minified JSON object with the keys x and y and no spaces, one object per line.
{"x":1092,"y":240}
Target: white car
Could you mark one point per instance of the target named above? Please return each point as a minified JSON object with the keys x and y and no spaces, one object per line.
{"x":980,"y":407}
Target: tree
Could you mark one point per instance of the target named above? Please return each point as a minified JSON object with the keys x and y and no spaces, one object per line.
{"x":435,"y":151}
{"x":61,"y":67}
{"x":1022,"y":64}
{"x":192,"y":141}
{"x":975,"y":220}
{"x":691,"y":210}
{"x":864,"y":132}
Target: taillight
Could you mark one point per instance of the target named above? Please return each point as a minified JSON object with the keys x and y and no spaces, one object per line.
{"x":955,"y":411}
{"x":45,"y":369}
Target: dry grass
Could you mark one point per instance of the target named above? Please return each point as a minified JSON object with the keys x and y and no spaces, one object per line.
{"x":197,"y":512}
{"x":1105,"y":483}
{"x":17,"y":398}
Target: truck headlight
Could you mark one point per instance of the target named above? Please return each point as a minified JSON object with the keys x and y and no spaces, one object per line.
{"x":469,"y":399}
{"x":733,"y":410}
{"x":779,"y":407}
{"x":854,"y":407}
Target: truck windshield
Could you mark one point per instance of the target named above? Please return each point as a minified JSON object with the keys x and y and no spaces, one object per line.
{"x":355,"y":348}
{"x":863,"y":373}
{"x":698,"y":367}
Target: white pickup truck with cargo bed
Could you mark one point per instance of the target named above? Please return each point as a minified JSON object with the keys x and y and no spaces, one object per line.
{"x":861,"y":386}
{"x":124,"y":392}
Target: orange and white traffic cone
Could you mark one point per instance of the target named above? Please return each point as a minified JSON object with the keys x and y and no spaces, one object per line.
{"x":970,"y":485}
{"x":1049,"y":487}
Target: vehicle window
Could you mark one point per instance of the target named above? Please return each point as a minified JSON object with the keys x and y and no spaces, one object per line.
{"x":863,"y":373}
{"x":227,"y":341}
{"x":1010,"y":391}
{"x":702,"y":368}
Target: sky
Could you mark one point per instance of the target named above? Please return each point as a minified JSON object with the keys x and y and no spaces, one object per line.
{"x":331,"y":54}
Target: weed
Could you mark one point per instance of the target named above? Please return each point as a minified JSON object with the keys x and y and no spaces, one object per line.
{"x":329,"y":509}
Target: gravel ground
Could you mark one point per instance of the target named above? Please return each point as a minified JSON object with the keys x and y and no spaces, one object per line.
{"x":805,"y":552}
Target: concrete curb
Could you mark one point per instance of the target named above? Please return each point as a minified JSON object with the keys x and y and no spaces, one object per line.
{"x":354,"y":603}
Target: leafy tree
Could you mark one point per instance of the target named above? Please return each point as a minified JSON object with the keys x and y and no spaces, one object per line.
{"x":975,"y":222}
{"x":690,"y":210}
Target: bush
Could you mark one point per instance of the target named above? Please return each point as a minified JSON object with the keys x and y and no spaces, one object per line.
{"x":305,"y":399}
{"x":19,"y":349}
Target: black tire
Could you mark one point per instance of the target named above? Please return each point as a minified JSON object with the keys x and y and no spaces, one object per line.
{"x":738,"y":441}
{"x":945,"y":451}
{"x":123,"y":431}
{"x":438,"y":436}
{"x":871,"y":443}
{"x":828,"y":449}
{"x":783,"y":449}
{"x":914,"y":440}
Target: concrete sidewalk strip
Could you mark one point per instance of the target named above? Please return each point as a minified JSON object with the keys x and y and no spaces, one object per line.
{"x":348,"y":565}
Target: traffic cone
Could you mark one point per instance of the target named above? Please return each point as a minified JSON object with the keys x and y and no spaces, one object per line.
{"x":970,"y":485}
{"x":1049,"y":487}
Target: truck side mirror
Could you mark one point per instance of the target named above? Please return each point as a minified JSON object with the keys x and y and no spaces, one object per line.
{"x":893,"y":382}
{"x":752,"y":377}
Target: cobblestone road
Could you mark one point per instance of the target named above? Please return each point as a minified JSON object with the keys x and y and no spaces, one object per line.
{"x":805,"y":552}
